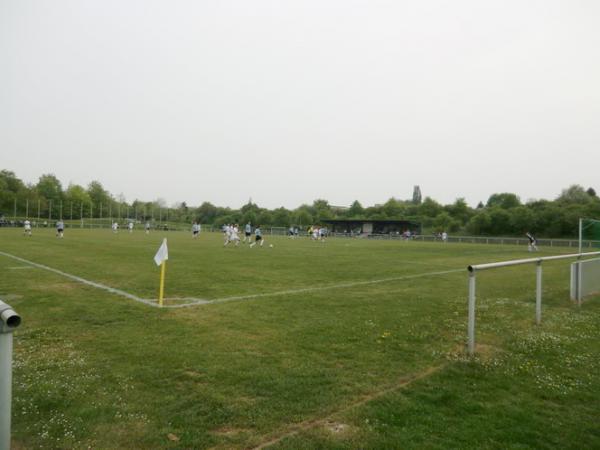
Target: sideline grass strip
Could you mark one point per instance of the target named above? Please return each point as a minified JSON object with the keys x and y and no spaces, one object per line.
{"x":197,"y":301}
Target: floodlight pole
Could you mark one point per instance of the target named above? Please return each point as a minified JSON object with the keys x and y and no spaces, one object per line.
{"x":471,"y":322}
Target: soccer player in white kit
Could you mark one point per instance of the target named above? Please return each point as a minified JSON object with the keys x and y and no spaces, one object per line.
{"x":233,"y":234}
{"x":27,"y":229}
{"x":115,"y":227}
{"x":147,"y":227}
{"x":60,"y":229}
{"x":195,"y":230}
{"x":315,"y":234}
{"x":130,"y":226}
{"x":227,"y":234}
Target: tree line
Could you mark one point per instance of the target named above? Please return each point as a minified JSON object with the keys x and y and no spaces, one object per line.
{"x":504,"y":214}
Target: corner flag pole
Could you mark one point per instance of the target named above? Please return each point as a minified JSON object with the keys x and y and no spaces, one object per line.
{"x":161,"y":260}
{"x":161,"y":292}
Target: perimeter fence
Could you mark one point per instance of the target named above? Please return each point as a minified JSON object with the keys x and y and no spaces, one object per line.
{"x":162,"y":223}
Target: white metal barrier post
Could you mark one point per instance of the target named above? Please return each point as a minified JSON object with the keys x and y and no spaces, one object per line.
{"x":471,"y":325}
{"x":579,"y":279}
{"x":9,"y":320}
{"x":538,"y":293}
{"x":538,"y":298}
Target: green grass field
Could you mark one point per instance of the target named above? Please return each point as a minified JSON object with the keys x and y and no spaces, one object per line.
{"x":345,"y":344}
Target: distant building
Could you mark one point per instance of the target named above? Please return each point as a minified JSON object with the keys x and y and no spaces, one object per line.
{"x":368,"y":226}
{"x":339,"y":208}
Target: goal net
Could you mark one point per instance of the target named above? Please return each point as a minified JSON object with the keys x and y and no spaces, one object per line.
{"x":589,"y":234}
{"x":585,"y":278}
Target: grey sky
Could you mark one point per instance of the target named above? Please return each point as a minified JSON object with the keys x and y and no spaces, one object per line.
{"x":289,"y":101}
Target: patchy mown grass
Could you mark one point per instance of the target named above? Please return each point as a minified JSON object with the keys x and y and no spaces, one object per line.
{"x":369,"y":366}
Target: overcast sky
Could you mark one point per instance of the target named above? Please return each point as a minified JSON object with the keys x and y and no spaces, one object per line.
{"x":289,"y":101}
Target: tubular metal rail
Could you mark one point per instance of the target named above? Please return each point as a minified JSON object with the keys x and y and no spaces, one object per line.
{"x":9,"y":320}
{"x":473,"y":269}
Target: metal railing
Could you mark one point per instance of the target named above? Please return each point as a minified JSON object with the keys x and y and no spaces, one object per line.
{"x":283,"y":231}
{"x":473,"y":269}
{"x":9,"y":320}
{"x":574,"y":243}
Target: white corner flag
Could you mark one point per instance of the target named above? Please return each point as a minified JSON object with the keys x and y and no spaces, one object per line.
{"x":161,"y":260}
{"x":162,"y":254}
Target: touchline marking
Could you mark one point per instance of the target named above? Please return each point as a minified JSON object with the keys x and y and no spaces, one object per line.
{"x":317,"y":288}
{"x":198,"y":301}
{"x":83,"y":280}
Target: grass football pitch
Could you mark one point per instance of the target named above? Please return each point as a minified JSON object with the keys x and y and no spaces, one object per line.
{"x":350,"y":343}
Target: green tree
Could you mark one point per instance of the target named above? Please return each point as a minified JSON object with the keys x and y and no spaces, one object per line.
{"x":504,"y":200}
{"x":303,"y":218}
{"x":574,"y":194}
{"x":445,"y":222}
{"x":522,"y":220}
{"x":500,"y":222}
{"x":50,"y":188}
{"x":460,"y":211}
{"x":250,"y":207}
{"x":394,"y":209}
{"x":249,"y":217}
{"x":480,"y":223}
{"x":79,"y":198}
{"x":11,"y":189}
{"x":550,"y":218}
{"x":207,"y":212}
{"x":355,"y":210}
{"x":430,"y":208}
{"x":321,"y":210}
{"x":281,"y":217}
{"x":264,"y":218}
{"x":98,"y":194}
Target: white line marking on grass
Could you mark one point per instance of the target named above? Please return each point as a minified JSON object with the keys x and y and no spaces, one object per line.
{"x":198,"y":301}
{"x":317,"y":288}
{"x":20,"y":267}
{"x":83,"y":280}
